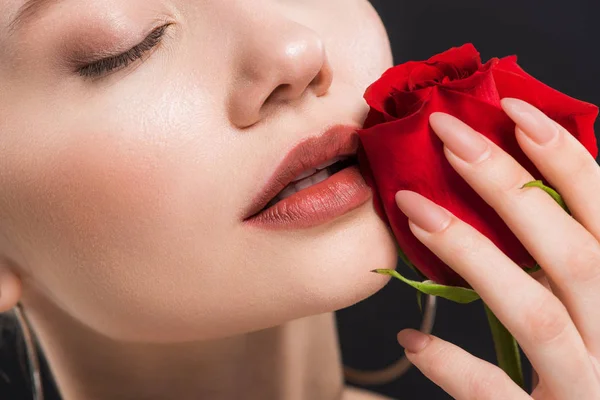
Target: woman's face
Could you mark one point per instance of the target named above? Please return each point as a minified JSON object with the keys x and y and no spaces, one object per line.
{"x":121,"y":189}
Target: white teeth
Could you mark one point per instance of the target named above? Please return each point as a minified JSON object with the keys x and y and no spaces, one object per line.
{"x":287,"y":192}
{"x":330,"y":162}
{"x":319,"y":177}
{"x":303,"y":184}
{"x":306,"y":179}
{"x":305,"y":174}
{"x":298,"y":186}
{"x":317,"y":168}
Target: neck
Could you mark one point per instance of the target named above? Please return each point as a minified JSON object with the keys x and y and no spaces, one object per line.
{"x":296,"y":360}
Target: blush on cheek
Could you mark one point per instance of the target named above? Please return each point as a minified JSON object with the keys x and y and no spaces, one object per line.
{"x":96,"y":219}
{"x":105,"y":191}
{"x":90,"y":201}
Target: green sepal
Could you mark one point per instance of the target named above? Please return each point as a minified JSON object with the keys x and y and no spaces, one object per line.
{"x":553,"y":193}
{"x":536,"y":268}
{"x":557,"y":197}
{"x":454,"y":293}
{"x":420,"y":300}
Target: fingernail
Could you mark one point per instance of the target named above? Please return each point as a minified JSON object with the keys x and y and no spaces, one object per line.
{"x":422,"y":212}
{"x":412,"y":340}
{"x":530,"y":120}
{"x":459,"y":138}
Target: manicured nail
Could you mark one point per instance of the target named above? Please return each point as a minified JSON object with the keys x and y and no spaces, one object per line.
{"x":459,"y":138}
{"x":412,"y":340}
{"x":534,"y":123}
{"x":422,"y":212}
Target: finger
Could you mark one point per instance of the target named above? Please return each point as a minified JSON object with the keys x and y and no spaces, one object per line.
{"x":535,"y":317}
{"x":540,"y":276}
{"x":561,"y":158}
{"x":542,"y":392}
{"x":567,"y":251}
{"x":577,"y":178}
{"x":460,"y":374}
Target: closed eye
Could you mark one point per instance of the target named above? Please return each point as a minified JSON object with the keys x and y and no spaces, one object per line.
{"x":110,"y":64}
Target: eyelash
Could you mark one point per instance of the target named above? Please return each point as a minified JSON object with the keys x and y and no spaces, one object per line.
{"x":109,"y":64}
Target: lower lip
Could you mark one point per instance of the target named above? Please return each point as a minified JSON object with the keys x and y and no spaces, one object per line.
{"x":337,"y":195}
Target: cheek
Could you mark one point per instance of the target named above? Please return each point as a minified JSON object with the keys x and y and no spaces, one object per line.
{"x":100,"y":188}
{"x":358,"y":44}
{"x":109,"y":226}
{"x":95,"y":213}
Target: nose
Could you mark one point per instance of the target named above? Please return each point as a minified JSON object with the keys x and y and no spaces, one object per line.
{"x":277,"y":64}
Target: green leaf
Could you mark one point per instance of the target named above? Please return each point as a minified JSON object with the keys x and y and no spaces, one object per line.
{"x":553,"y":193}
{"x":453,"y":293}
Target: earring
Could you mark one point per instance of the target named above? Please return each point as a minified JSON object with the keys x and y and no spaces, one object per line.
{"x":32,"y":356}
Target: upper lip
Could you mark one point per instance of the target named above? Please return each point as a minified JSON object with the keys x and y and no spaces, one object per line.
{"x":336,"y":140}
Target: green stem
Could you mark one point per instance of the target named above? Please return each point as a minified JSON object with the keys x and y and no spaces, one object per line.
{"x":507,"y":349}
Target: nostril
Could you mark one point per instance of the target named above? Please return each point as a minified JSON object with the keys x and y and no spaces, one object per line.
{"x":324,"y":78}
{"x":282,"y":87}
{"x":278,"y":92}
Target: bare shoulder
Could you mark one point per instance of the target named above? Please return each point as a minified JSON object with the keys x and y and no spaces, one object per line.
{"x":352,"y":393}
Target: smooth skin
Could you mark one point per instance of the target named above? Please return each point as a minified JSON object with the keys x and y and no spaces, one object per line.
{"x":555,"y":316}
{"x":120,"y":196}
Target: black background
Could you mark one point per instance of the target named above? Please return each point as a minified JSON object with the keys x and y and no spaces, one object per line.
{"x":556,"y":42}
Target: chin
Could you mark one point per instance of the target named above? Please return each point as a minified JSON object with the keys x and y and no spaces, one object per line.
{"x":343,"y":277}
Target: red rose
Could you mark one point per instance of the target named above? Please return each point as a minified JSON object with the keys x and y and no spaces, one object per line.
{"x":399,"y":150}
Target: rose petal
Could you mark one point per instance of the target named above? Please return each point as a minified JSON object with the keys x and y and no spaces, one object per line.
{"x":424,"y":75}
{"x":574,"y":115}
{"x":399,"y":151}
{"x":408,"y":103}
{"x":365,"y":169}
{"x":463,"y":58}
{"x":407,"y":155}
{"x":480,"y":85}
{"x":393,"y":79}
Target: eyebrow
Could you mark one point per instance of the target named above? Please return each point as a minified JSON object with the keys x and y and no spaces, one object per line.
{"x":27,"y":12}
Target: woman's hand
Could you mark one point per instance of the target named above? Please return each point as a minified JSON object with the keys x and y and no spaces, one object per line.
{"x":557,"y":324}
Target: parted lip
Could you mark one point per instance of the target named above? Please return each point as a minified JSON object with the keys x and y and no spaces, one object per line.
{"x":336,"y":140}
